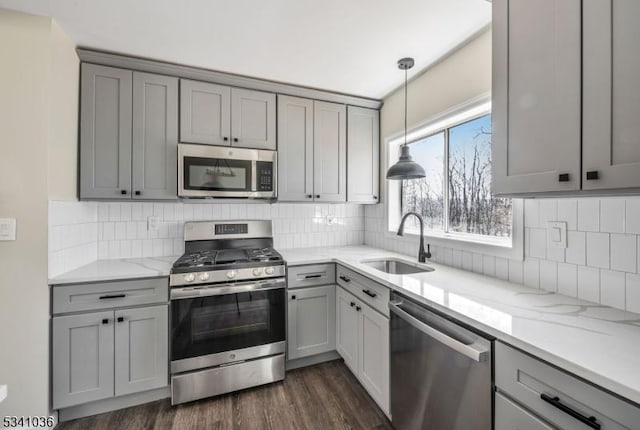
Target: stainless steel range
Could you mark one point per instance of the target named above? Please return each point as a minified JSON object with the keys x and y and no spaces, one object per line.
{"x":227,"y":310}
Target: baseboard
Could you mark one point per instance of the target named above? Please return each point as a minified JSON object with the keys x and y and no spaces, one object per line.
{"x":310,"y":361}
{"x":112,"y":404}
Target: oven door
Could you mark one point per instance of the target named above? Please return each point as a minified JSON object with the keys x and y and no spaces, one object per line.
{"x":220,"y":324}
{"x":213,"y":171}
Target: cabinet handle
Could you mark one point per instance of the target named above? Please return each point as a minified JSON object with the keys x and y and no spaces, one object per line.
{"x":309,"y":196}
{"x":235,"y":139}
{"x":369,"y":293}
{"x":120,"y":319}
{"x":225,"y":138}
{"x":138,"y":193}
{"x":318,"y":275}
{"x":563,"y":177}
{"x":358,"y":308}
{"x":123,"y":192}
{"x":555,"y":402}
{"x":375,"y":197}
{"x":293,"y":297}
{"x":105,"y":321}
{"x":344,"y":278}
{"x":317,"y":196}
{"x":112,"y":296}
{"x":352,"y":304}
{"x":592,"y":175}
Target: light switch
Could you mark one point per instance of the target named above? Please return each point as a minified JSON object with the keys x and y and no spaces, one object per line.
{"x":557,"y":234}
{"x":7,"y":229}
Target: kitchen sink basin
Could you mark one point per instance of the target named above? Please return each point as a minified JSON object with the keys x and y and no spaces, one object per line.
{"x":397,"y":267}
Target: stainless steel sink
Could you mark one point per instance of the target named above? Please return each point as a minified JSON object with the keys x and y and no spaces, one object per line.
{"x":397,"y":267}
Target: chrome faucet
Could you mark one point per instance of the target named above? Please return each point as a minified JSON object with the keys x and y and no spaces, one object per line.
{"x":422,"y":255}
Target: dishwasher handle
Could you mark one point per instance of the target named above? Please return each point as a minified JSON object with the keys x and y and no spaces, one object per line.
{"x":476,"y":351}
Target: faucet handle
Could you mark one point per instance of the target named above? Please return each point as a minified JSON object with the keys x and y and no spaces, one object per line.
{"x":428,"y":254}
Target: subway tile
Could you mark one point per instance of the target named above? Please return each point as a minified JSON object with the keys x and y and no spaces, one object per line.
{"x":137,"y":211}
{"x":502,"y":268}
{"x":589,"y":284}
{"x":568,"y":212}
{"x":548,"y":211}
{"x":612,"y":214}
{"x":568,"y":279}
{"x":548,"y":275}
{"x":532,"y":273}
{"x":467,"y":261}
{"x":632,"y":215}
{"x":538,"y":245}
{"x":612,"y":288}
{"x":598,"y":250}
{"x":125,"y":211}
{"x":489,"y":265}
{"x":632,"y":288}
{"x":478,"y":263}
{"x":623,"y":252}
{"x":576,"y":252}
{"x":114,"y":212}
{"x":531,"y":213}
{"x":588,"y":214}
{"x":515,"y":271}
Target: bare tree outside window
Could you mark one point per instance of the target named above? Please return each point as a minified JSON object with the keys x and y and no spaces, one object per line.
{"x":470,"y":207}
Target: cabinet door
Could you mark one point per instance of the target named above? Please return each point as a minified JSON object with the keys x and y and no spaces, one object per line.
{"x":295,"y":149}
{"x":205,"y":113}
{"x":347,"y":329}
{"x":82,"y":358}
{"x":253,"y":119}
{"x":536,"y":96}
{"x":363,"y":153}
{"x":611,"y":108}
{"x":312,"y":321}
{"x":155,"y":137}
{"x":142,"y":349}
{"x":373,"y":355}
{"x":510,"y":416}
{"x":105,"y":132}
{"x":329,"y":152}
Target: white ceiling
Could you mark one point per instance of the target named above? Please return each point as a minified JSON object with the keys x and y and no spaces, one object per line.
{"x":348,"y":46}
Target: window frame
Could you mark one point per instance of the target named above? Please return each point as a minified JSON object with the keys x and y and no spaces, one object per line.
{"x":494,"y":246}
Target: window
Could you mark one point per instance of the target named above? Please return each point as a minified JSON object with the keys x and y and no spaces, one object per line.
{"x":455,"y":196}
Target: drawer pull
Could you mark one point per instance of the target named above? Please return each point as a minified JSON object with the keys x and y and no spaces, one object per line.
{"x":344,"y":278}
{"x":352,"y":304}
{"x":555,"y":402}
{"x":105,"y":321}
{"x":318,"y":275}
{"x":369,"y":293}
{"x":120,"y":319}
{"x":358,"y":308}
{"x":113,"y":296}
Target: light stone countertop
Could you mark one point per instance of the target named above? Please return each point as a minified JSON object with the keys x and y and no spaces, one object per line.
{"x":593,"y":341}
{"x":3,"y":393}
{"x":112,"y":270}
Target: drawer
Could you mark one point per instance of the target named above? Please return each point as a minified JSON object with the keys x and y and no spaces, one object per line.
{"x":104,"y":295}
{"x":510,"y":416}
{"x":568,"y":399}
{"x":370,"y":292}
{"x":308,"y":276}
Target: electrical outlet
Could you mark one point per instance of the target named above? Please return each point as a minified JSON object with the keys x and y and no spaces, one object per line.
{"x":331,"y":220}
{"x":7,"y":229}
{"x":557,"y":234}
{"x":153,"y":223}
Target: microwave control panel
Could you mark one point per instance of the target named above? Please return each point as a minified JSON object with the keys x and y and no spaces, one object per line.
{"x":264,"y":172}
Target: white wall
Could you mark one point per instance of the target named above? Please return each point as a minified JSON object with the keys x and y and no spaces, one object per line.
{"x":29,"y":117}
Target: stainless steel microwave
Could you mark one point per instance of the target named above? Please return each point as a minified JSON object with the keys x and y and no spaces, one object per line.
{"x":223,"y":171}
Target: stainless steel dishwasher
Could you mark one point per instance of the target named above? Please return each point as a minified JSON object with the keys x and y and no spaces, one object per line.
{"x":440,"y":371}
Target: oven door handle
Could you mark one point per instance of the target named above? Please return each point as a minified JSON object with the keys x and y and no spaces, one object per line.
{"x":224,"y":289}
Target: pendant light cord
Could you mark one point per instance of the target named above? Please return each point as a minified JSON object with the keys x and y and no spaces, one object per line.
{"x":405,"y":107}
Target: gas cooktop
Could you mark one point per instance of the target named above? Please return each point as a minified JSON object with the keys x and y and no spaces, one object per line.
{"x":212,"y":259}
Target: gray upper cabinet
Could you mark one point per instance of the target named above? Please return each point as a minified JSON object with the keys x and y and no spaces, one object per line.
{"x":329,"y":152}
{"x":141,"y":344}
{"x":105,"y":132}
{"x":155,"y":136}
{"x":82,"y":358}
{"x":253,"y":119}
{"x":536,"y":96}
{"x":363,"y":154}
{"x":295,"y":149}
{"x":205,"y":113}
{"x":219,"y":115}
{"x":611,"y":106}
{"x":128,"y":134}
{"x":311,"y":321}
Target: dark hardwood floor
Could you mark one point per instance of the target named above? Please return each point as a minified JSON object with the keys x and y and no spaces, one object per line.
{"x":324,"y":396}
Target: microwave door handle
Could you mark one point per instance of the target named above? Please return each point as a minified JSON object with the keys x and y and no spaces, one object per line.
{"x":254,"y":180}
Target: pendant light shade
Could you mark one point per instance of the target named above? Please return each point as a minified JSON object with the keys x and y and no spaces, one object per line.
{"x":405,"y":168}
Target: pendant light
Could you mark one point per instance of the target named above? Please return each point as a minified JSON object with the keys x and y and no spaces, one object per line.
{"x":405,"y":168}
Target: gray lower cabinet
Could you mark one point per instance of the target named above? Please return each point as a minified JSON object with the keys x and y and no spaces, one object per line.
{"x":311,"y":321}
{"x":128,"y":134}
{"x":83,"y":354}
{"x":141,"y":349}
{"x":510,"y":416}
{"x":105,"y":132}
{"x":363,"y":155}
{"x":347,"y":329}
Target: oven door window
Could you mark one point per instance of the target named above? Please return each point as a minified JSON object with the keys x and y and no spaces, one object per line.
{"x":209,"y":325}
{"x":217,"y":174}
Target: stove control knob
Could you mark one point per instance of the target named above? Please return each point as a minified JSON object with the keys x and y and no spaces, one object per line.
{"x":257,"y":272}
{"x":204,"y":277}
{"x":231,"y":274}
{"x":269,"y":270}
{"x":189,"y":277}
